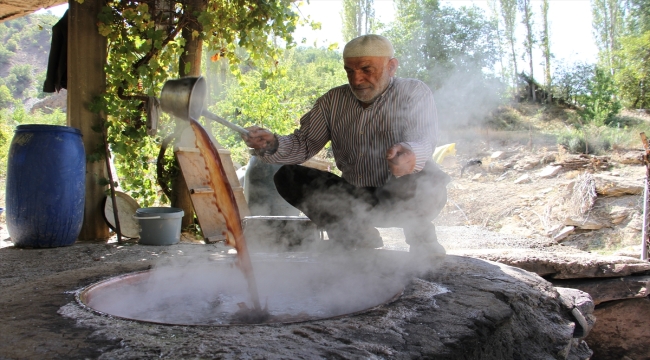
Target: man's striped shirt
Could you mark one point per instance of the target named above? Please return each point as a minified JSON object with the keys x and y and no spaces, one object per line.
{"x":404,"y":113}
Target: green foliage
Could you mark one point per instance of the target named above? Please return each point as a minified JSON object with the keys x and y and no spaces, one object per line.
{"x":433,"y":42}
{"x":505,"y":118}
{"x":142,"y":56}
{"x":570,"y":81}
{"x":20,"y":78}
{"x":277,"y":103}
{"x":633,"y":77}
{"x":638,"y":19}
{"x":600,"y":103}
{"x":586,"y":140}
{"x":6,"y":99}
{"x":358,"y":18}
{"x":607,"y":20}
{"x":5,"y":54}
{"x":12,"y":45}
{"x":448,"y":49}
{"x":9,"y":119}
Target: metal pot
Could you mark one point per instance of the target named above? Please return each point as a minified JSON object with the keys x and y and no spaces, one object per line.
{"x":184,"y":98}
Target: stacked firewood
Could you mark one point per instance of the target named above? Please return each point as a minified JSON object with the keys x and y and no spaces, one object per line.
{"x":583,"y":162}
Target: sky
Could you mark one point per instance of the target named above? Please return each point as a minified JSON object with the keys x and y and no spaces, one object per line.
{"x":570,"y":26}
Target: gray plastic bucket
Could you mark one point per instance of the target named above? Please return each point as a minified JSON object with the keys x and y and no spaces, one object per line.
{"x":159,"y":225}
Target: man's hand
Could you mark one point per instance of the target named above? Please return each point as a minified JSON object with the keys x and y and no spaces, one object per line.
{"x":261,"y":139}
{"x":401,"y":160}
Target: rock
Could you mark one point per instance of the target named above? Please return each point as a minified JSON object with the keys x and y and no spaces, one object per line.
{"x":631,"y":157}
{"x":497,"y":155}
{"x":476,"y":177}
{"x":636,"y":222}
{"x":618,"y":214}
{"x":607,"y":185}
{"x":621,"y":330}
{"x":49,"y":104}
{"x":522,"y":179}
{"x":456,"y":308}
{"x":527,"y":163}
{"x":563,"y":265}
{"x":602,"y":290}
{"x":568,"y":230}
{"x":576,"y":299}
{"x":549,"y":171}
{"x":588,"y":224}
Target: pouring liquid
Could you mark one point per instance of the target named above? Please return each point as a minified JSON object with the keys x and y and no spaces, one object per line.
{"x":225,"y":202}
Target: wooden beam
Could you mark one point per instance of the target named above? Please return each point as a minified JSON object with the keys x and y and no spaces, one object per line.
{"x":87,"y":53}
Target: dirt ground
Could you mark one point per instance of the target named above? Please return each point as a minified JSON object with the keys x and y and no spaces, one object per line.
{"x":488,"y":196}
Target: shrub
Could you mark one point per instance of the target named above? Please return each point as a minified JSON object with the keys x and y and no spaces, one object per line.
{"x":587,"y":140}
{"x":20,"y":78}
{"x":5,"y":55}
{"x":600,"y":103}
{"x":12,"y":45}
{"x":6,"y":99}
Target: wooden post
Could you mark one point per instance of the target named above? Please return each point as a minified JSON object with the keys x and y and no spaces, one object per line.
{"x":644,"y":233}
{"x":189,"y":65}
{"x":86,"y":79}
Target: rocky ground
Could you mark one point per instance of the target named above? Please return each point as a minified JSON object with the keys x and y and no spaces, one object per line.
{"x":591,"y":203}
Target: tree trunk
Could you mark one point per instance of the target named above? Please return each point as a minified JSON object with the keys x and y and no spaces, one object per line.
{"x":86,"y":79}
{"x":189,"y":65}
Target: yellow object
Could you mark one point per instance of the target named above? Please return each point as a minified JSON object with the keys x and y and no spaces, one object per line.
{"x":441,"y":152}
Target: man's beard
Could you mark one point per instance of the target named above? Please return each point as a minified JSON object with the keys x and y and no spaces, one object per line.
{"x":369,"y":98}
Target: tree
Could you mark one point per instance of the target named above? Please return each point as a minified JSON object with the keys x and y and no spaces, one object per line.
{"x":600,"y":104}
{"x":431,"y":42}
{"x":20,"y":78}
{"x":448,"y":49}
{"x":638,"y":17}
{"x":509,"y":15}
{"x":529,"y":42}
{"x":571,"y":81}
{"x":277,"y":103}
{"x":6,"y":99}
{"x":494,"y":17}
{"x":545,"y":45}
{"x":608,"y":27}
{"x":358,"y":18}
{"x":633,"y":76}
{"x":145,"y":47}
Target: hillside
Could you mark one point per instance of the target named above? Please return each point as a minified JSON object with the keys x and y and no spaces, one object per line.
{"x":24,"y":51}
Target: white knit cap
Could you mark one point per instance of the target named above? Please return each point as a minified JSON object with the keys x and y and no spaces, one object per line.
{"x":368,"y":45}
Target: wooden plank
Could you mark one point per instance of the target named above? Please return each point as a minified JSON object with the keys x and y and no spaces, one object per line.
{"x":210,"y":219}
{"x":194,"y":170}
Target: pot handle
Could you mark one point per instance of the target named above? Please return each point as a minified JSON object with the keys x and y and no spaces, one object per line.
{"x":145,"y":217}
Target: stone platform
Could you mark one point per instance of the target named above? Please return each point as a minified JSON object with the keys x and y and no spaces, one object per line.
{"x":485,"y":310}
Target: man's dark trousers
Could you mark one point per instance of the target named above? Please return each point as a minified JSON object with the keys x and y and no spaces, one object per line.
{"x":348,"y":212}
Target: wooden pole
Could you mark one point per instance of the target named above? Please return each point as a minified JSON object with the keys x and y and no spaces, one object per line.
{"x":86,"y":79}
{"x":644,"y":234}
{"x":189,"y":65}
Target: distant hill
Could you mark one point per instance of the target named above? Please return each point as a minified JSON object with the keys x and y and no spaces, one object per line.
{"x":24,"y":51}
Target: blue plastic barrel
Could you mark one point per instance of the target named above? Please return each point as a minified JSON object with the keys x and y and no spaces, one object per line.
{"x":46,"y":186}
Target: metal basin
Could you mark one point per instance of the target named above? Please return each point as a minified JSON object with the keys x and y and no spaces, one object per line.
{"x":209,"y":293}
